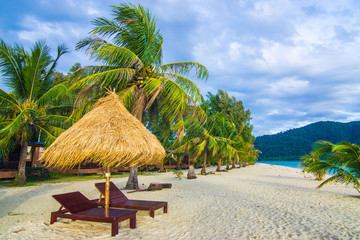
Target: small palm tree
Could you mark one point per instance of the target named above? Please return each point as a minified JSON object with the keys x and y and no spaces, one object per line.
{"x":133,"y":67}
{"x":308,"y":161}
{"x":28,"y":109}
{"x":342,"y":160}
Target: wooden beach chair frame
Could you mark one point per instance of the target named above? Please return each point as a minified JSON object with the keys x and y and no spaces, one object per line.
{"x":76,"y":206}
{"x":119,"y":200}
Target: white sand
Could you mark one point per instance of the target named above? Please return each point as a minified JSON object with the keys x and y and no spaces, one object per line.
{"x":256,"y":202}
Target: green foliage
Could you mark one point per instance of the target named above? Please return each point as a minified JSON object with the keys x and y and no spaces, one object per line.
{"x":293,"y":144}
{"x":177,"y":173}
{"x":219,"y":138}
{"x":233,"y":110}
{"x":53,"y":175}
{"x":341,"y":159}
{"x":133,"y":67}
{"x":24,"y":112}
{"x":308,"y":161}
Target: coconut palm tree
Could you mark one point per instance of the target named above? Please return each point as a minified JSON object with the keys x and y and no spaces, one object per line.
{"x":203,"y":140}
{"x":133,"y":68}
{"x":342,"y":160}
{"x":227,"y":130}
{"x":28,"y":110}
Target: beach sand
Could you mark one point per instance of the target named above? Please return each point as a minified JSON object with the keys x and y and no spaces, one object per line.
{"x":257,"y":202}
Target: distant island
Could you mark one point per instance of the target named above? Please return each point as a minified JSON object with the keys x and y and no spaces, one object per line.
{"x":294,"y":143}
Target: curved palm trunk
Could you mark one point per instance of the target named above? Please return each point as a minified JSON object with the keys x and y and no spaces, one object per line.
{"x":21,"y":178}
{"x":162,"y":166}
{"x":178,"y":163}
{"x":137,"y":111}
{"x":227,"y":165}
{"x":182,"y":158}
{"x":203,"y":170}
{"x":133,"y":182}
{"x":218,"y":169}
{"x":233,"y":163}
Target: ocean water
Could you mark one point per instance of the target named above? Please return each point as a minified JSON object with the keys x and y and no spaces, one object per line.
{"x":293,"y":164}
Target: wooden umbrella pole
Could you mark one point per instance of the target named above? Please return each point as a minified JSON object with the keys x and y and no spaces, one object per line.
{"x":107,"y":188}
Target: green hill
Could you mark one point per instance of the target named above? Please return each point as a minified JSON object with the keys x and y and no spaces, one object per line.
{"x":294,"y":143}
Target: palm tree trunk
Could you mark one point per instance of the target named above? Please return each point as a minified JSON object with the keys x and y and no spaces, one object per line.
{"x":162,"y":166}
{"x":228,"y":165}
{"x":203,"y":170}
{"x":133,"y":182}
{"x":178,"y":162}
{"x":233,"y":163}
{"x":218,"y":169}
{"x":137,"y":111}
{"x":21,"y":178}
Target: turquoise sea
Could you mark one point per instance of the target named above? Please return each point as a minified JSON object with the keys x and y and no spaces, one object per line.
{"x":293,"y":164}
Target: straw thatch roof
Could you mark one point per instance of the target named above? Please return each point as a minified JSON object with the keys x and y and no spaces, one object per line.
{"x":107,"y":135}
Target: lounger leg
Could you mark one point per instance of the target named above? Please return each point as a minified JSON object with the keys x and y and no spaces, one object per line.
{"x":133,"y":221}
{"x":165,"y":208}
{"x":152,"y":213}
{"x":114,"y":228}
{"x":53,"y":218}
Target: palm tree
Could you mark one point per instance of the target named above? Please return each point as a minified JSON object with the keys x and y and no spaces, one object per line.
{"x":203,"y":140}
{"x":28,"y":109}
{"x":227,"y":130}
{"x":342,"y":160}
{"x":133,"y":68}
{"x":308,"y":161}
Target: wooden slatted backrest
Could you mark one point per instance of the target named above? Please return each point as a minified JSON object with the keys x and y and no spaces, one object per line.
{"x":115,"y":193}
{"x":74,"y":202}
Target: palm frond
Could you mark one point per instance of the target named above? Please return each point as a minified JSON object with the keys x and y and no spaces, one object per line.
{"x":49,"y":134}
{"x":8,"y":99}
{"x":33,"y":72}
{"x":174,"y":100}
{"x":11,"y":65}
{"x":92,"y":43}
{"x":61,"y":50}
{"x":52,"y":94}
{"x":323,"y":147}
{"x":14,"y":127}
{"x":105,"y":27}
{"x":116,"y":56}
{"x":185,"y":68}
{"x":106,"y":79}
{"x":189,"y":86}
{"x":153,"y":88}
{"x":138,"y":33}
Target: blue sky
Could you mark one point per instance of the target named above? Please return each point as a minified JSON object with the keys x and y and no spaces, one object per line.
{"x":292,"y":63}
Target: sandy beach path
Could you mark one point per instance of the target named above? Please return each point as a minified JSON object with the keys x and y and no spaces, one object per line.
{"x":256,"y":202}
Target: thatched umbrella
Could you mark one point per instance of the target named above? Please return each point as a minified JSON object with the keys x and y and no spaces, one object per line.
{"x":107,"y":135}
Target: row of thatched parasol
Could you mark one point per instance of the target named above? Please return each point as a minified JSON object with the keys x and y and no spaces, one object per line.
{"x":108,"y":135}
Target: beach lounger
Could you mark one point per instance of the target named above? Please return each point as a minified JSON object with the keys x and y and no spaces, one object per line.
{"x":76,"y":206}
{"x":119,"y":200}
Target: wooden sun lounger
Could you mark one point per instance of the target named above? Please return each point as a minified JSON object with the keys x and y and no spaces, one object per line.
{"x":76,"y":206}
{"x":119,"y":200}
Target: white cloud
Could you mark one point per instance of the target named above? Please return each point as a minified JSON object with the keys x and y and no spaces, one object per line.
{"x":270,"y":10}
{"x":37,"y":29}
{"x":288,"y":86}
{"x":290,"y":62}
{"x":93,"y":11}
